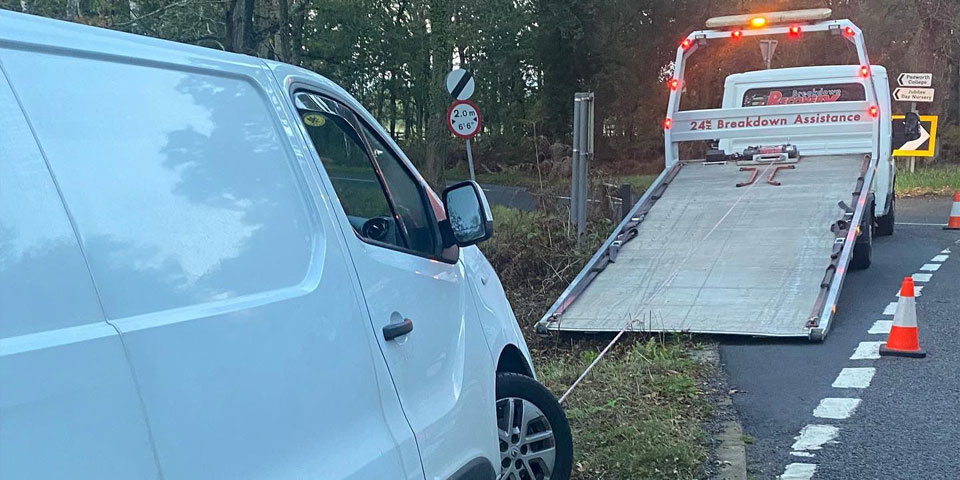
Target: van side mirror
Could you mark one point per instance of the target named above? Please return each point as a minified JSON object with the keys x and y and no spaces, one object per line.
{"x":906,"y":130}
{"x":911,"y":126}
{"x":469,"y":220}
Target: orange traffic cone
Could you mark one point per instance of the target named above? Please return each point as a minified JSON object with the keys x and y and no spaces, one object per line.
{"x":903,"y":340}
{"x":953,"y":223}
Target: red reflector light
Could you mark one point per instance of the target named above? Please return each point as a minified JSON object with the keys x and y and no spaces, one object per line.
{"x":848,"y":31}
{"x":795,"y":31}
{"x":864,"y":71}
{"x":686,"y":43}
{"x":873,"y":111}
{"x":736,"y":34}
{"x":674,"y":83}
{"x":667,"y":123}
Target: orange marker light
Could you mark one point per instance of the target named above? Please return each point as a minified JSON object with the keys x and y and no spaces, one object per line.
{"x":736,"y":34}
{"x":757,"y":22}
{"x":674,"y":83}
{"x":873,"y":111}
{"x":864,"y":71}
{"x":667,"y":123}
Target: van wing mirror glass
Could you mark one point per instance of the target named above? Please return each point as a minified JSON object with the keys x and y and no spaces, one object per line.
{"x":469,"y":220}
{"x":911,"y":126}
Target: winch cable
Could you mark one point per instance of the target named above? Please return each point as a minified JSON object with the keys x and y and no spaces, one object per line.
{"x":665,"y":284}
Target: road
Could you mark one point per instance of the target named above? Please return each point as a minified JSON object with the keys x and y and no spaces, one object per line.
{"x":907,"y":423}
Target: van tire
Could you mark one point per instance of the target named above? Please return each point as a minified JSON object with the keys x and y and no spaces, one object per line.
{"x":863,"y":248}
{"x":885,"y":223}
{"x":522,"y":391}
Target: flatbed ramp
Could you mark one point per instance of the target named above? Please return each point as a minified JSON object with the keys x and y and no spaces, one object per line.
{"x":711,"y":257}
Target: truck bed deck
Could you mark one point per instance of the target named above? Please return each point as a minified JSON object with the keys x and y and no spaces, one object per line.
{"x":711,"y":257}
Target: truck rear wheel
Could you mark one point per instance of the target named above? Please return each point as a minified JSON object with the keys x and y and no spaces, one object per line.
{"x":885,"y":223}
{"x":863,"y":249}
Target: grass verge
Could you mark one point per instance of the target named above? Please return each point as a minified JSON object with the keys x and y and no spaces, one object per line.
{"x":928,"y":181}
{"x":640,"y":413}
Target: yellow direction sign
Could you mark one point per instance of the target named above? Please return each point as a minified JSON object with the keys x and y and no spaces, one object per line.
{"x":923,"y":146}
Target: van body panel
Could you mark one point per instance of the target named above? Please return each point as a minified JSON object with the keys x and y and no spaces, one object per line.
{"x":442,"y":370}
{"x":68,"y":401}
{"x":215,"y":260}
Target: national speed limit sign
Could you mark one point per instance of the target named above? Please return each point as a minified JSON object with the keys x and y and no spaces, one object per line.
{"x":463,"y":119}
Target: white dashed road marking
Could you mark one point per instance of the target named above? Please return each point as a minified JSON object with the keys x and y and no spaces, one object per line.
{"x":799,"y":471}
{"x":813,"y":437}
{"x":880,"y":327}
{"x":867,"y":351}
{"x":922,"y":277}
{"x":916,"y":291}
{"x":836,"y":408}
{"x":854,"y":377}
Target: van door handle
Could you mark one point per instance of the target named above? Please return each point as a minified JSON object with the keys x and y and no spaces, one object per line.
{"x":395,"y":330}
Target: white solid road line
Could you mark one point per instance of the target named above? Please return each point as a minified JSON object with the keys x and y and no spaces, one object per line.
{"x":880,"y":327}
{"x":836,"y":408}
{"x":940,"y":258}
{"x":930,"y":267}
{"x":854,"y":377}
{"x":891,"y":309}
{"x":799,"y":471}
{"x":867,"y":351}
{"x":813,"y":437}
{"x":922,"y":277}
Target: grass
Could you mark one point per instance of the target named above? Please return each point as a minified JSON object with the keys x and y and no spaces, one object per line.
{"x":640,"y":412}
{"x":928,"y":181}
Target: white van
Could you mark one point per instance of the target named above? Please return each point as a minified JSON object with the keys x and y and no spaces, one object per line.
{"x":217,"y":267}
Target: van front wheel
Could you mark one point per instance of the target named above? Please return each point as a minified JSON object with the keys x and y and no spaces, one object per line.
{"x":535,"y":440}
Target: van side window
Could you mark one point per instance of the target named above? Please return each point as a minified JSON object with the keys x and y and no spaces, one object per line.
{"x":407,"y":196}
{"x":382,"y":200}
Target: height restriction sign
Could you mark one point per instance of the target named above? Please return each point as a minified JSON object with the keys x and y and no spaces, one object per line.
{"x":463,"y":119}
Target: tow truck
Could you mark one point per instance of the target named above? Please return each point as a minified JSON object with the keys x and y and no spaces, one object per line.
{"x":757,"y":237}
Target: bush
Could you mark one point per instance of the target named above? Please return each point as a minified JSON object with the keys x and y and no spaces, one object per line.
{"x":536,"y":257}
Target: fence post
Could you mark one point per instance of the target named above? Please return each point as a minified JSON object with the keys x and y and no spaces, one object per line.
{"x":626,"y":200}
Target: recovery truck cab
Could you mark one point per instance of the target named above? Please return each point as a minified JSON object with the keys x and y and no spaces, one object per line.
{"x":756,"y":238}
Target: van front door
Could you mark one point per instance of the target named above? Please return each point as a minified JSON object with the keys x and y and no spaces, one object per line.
{"x":419,"y":306}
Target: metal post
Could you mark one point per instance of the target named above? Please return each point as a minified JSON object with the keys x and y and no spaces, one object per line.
{"x":575,"y":162}
{"x":473,"y":175}
{"x":626,"y":200}
{"x":586,"y":152}
{"x":913,"y":160}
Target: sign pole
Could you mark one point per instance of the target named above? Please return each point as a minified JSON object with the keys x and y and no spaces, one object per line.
{"x":473,"y":176}
{"x":913,"y":160}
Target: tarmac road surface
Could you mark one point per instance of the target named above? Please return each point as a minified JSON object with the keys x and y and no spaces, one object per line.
{"x":801,"y":406}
